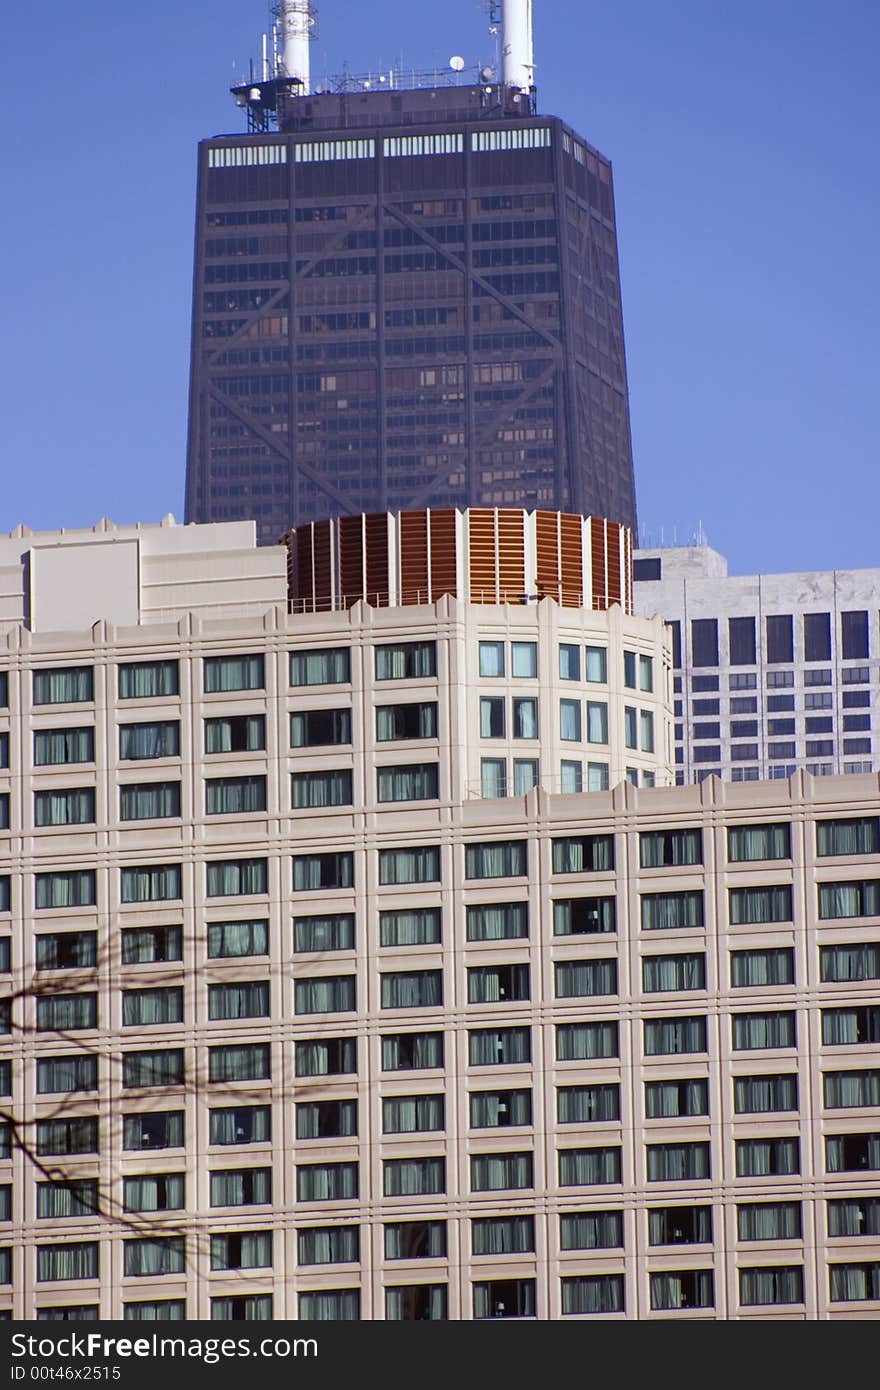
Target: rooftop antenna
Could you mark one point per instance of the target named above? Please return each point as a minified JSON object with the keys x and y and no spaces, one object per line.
{"x":297,"y":19}
{"x":517,"y":49}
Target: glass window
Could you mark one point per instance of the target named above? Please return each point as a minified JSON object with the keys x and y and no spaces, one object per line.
{"x":596,"y":665}
{"x":496,"y":859}
{"x":579,"y":979}
{"x":670,"y":847}
{"x":490,"y":1047}
{"x":855,"y":899}
{"x":67,"y":1312}
{"x":597,"y":721}
{"x":153,"y":1192}
{"x":523,"y":660}
{"x":582,"y":1105}
{"x":66,"y":950}
{"x":243,"y":999}
{"x":587,"y":1167}
{"x":252,"y":1307}
{"x":153,"y":1068}
{"x":415,"y":1240}
{"x":664,"y":973}
{"x":491,"y":716}
{"x":241,"y":1187}
{"x":583,"y":916}
{"x":677,"y":1162}
{"x":817,"y":637}
{"x":239,"y":1062}
{"x":491,"y":658}
{"x":73,"y":1072}
{"x":855,"y":961}
{"x":334,"y":1305}
{"x":583,"y":854}
{"x":751,"y":905}
{"x":421,"y":989}
{"x":756,"y":1158}
{"x":237,"y":877}
{"x":851,"y":1153}
{"x":76,"y":1260}
{"x":312,"y":872}
{"x":324,"y":933}
{"x":845,"y":1090}
{"x":326,"y":994}
{"x":629,"y":670}
{"x":671,"y":911}
{"x":53,"y":747}
{"x":153,"y":1129}
{"x":850,"y":1283}
{"x":668,"y":1036}
{"x":495,"y":921}
{"x":249,"y":938}
{"x":65,"y":1012}
{"x":328,"y":1119}
{"x":141,"y":680}
{"x":407,"y":721}
{"x":67,"y":1197}
{"x":757,"y":1095}
{"x":752,"y":969}
{"x":771,"y":1285}
{"x":241,"y":733}
{"x":493,"y":777}
{"x":854,"y":1216}
{"x":147,"y":1257}
{"x":570,"y":721}
{"x":496,"y":1171}
{"x":580,"y":1042}
{"x":410,"y":927}
{"x":63,"y":686}
{"x":143,"y":883}
{"x":682,"y":1288}
{"x":665,"y":1099}
{"x":149,"y":800}
{"x":503,"y":1235}
{"x":147,"y":1008}
{"x":854,"y":836}
{"x":328,"y":1245}
{"x":411,"y":1177}
{"x":704,"y":642}
{"x":241,"y":1124}
{"x":414,"y":782}
{"x":56,"y":1137}
{"x":412,"y":1114}
{"x":748,"y":842}
{"x":326,"y":1057}
{"x":75,"y":888}
{"x":141,"y":741}
{"x":780,"y":638}
{"x":764,"y":1030}
{"x":411,"y":1051}
{"x":500,"y":1109}
{"x":406,"y":661}
{"x":525,"y":717}
{"x":234,"y":673}
{"x":242,"y":1250}
{"x":398,"y":866}
{"x":679,"y":1225}
{"x":490,"y":984}
{"x":569,"y":661}
{"x":505,"y":1298}
{"x":314,"y":790}
{"x":321,"y":666}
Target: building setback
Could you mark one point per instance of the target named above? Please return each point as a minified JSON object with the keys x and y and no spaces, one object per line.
{"x":307,"y":1025}
{"x":404,"y":299}
{"x":773,"y":672}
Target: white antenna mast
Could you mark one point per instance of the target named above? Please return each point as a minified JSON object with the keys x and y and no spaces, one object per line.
{"x":517,"y":49}
{"x":296,"y":26}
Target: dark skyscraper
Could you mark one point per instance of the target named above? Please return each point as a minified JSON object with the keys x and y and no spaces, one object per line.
{"x":404,"y":298}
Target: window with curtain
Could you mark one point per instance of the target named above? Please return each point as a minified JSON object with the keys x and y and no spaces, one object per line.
{"x":241,"y":1187}
{"x":524,"y":660}
{"x":761,"y":1158}
{"x":317,"y":871}
{"x":334,"y":932}
{"x":503,"y":1235}
{"x":524,"y":721}
{"x":492,"y":723}
{"x":141,"y":680}
{"x":494,"y":1172}
{"x":73,"y":1072}
{"x":249,"y":1307}
{"x":755,"y":1095}
{"x":754,"y":969}
{"x":493,"y":777}
{"x":146,"y":1257}
{"x":497,"y":921}
{"x":153,"y":1068}
{"x":155,"y":1310}
{"x":325,"y":1057}
{"x":646,"y":731}
{"x":242,"y":1250}
{"x":146,"y":883}
{"x":412,"y":782}
{"x":491,"y":658}
{"x":65,"y":1137}
{"x":597,"y":721}
{"x":578,"y":979}
{"x":630,"y":727}
{"x":852,"y":1283}
{"x":160,"y":739}
{"x":66,"y":685}
{"x":581,"y":1042}
{"x":327,"y":994}
{"x":768,"y":1221}
{"x":66,"y":1012}
{"x":326,"y":1119}
{"x":583,"y":854}
{"x":67,"y":1312}
{"x":329,"y":1305}
{"x":412,"y":1114}
{"x":856,"y":899}
{"x":629,"y":670}
{"x":149,"y":800}
{"x":671,"y":911}
{"x":241,"y":1124}
{"x":74,"y":1260}
{"x":234,"y":673}
{"x":769,"y":1285}
{"x":420,"y":989}
{"x":755,"y":905}
{"x":320,"y":666}
{"x":53,"y":747}
{"x":490,"y":1047}
{"x":525,"y":775}
{"x":851,"y":1027}
{"x":319,"y":728}
{"x":851,"y":1153}
{"x":240,"y":733}
{"x":854,"y":836}
{"x":153,"y":1129}
{"x":411,"y":1177}
{"x":328,"y":1245}
{"x":143,"y":945}
{"x":5,"y":1076}
{"x":406,"y":661}
{"x":237,"y":877}
{"x":239,"y":1062}
{"x":569,"y":661}
{"x":690,"y":1225}
{"x":418,"y":926}
{"x":250,"y":938}
{"x":76,"y":888}
{"x":682,"y":1288}
{"x":669,"y":1036}
{"x":496,"y":859}
{"x":492,"y":984}
{"x":590,"y":1230}
{"x":5,"y":894}
{"x":505,"y":1298}
{"x":409,"y":721}
{"x":854,"y":1216}
{"x":854,"y":961}
{"x":668,"y":973}
{"x":235,"y":796}
{"x":752,"y":842}
{"x":415,"y":1240}
{"x":411,"y":1051}
{"x":583,"y":1105}
{"x":419,"y":865}
{"x":570,"y":730}
{"x":677,"y":1162}
{"x":67,"y":1197}
{"x":583,"y":916}
{"x":850,"y":1089}
{"x":571,"y":777}
{"x":661,"y":848}
{"x":765,"y":1030}
{"x":665,"y":1099}
{"x":587,"y":1167}
{"x":75,"y":950}
{"x":147,"y":1008}
{"x":596,"y":665}
{"x":153,"y":1192}
{"x":500,"y":1109}
{"x":239,"y":999}
{"x":315,"y":790}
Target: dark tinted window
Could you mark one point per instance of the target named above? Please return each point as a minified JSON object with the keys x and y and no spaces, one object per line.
{"x":780,"y":638}
{"x":675,"y":629}
{"x":741,"y":632}
{"x":817,"y":637}
{"x":647,"y":569}
{"x":704,"y":642}
{"x":854,"y":635}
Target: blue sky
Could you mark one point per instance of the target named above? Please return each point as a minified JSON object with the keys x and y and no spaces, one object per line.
{"x":743,"y":137}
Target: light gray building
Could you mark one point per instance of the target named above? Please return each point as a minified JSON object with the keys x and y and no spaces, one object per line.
{"x":772,"y":672}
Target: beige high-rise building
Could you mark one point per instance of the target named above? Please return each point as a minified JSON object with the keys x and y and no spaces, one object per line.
{"x":364,"y":963}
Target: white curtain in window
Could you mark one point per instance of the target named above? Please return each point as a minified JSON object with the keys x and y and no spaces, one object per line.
{"x":593,"y":1293}
{"x":597,"y":721}
{"x":585,"y":1041}
{"x":52,"y":746}
{"x":492,"y":1172}
{"x":773,"y":967}
{"x":238,"y":938}
{"x":497,"y":921}
{"x":493,"y":777}
{"x":490,"y":1109}
{"x":66,"y":686}
{"x":329,"y":666}
{"x":232,"y":877}
{"x":769,"y":1221}
{"x":412,"y":1114}
{"x":150,"y":1257}
{"x":667,"y":1098}
{"x":596,"y":664}
{"x":577,"y":979}
{"x":673,"y":973}
{"x":66,"y":1074}
{"x":591,"y":1230}
{"x":674,"y":1035}
{"x":758,"y":1094}
{"x":690,"y":1288}
{"x":405,"y":1177}
{"x":525,"y":718}
{"x":144,"y":884}
{"x":747,"y":842}
{"x":856,"y":836}
{"x":414,"y":783}
{"x":857,"y":962}
{"x":317,"y":789}
{"x":413,"y":927}
{"x":583,"y":1167}
{"x":845,"y":1089}
{"x":147,"y":1007}
{"x":646,"y":731}
{"x":760,"y":904}
{"x":159,"y":740}
{"x":332,"y":933}
{"x":74,"y":1261}
{"x":756,"y":1158}
{"x":227,"y":796}
{"x":849,"y":899}
{"x":329,"y":994}
{"x":74,"y":889}
{"x":153,"y":1192}
{"x":233,"y":673}
{"x":330,"y":1305}
{"x":570,"y":720}
{"x":667,"y":911}
{"x":421,"y":990}
{"x":673,"y":1162}
{"x":326,"y":1245}
{"x":571,"y":777}
{"x":63,"y":1012}
{"x":240,"y":1000}
{"x":504,"y":1046}
{"x":577,"y":1105}
{"x":246,"y":1062}
{"x":763,"y":1030}
{"x":772,"y":1285}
